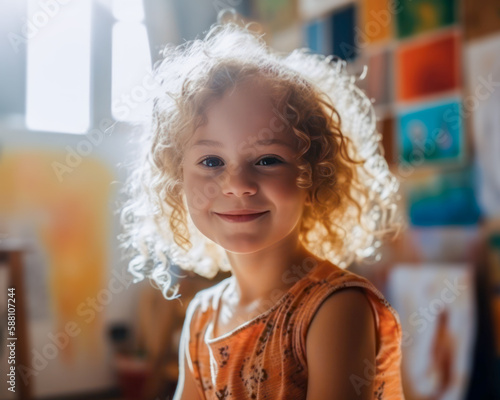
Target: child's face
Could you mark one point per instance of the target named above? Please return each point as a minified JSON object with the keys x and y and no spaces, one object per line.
{"x":241,"y":174}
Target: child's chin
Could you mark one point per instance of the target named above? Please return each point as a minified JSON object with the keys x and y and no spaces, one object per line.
{"x":242,"y":247}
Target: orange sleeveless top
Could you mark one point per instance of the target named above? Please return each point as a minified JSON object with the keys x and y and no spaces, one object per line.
{"x":265,"y":358}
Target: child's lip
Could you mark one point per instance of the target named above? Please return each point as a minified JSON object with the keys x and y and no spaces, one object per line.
{"x":242,"y":212}
{"x":241,"y":217}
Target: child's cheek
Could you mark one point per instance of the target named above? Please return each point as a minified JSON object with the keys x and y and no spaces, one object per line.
{"x":200,"y":192}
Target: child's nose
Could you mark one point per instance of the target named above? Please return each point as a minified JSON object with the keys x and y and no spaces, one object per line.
{"x":239,"y":182}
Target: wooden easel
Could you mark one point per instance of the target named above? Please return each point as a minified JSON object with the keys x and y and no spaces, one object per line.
{"x":11,"y":257}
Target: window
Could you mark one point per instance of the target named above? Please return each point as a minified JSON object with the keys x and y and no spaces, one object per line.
{"x":132,"y":82}
{"x":58,"y":66}
{"x":58,"y":81}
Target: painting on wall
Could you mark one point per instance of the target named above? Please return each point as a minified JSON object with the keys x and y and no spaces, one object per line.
{"x":65,"y":211}
{"x":376,"y":21}
{"x":436,"y":306}
{"x":342,"y":28}
{"x":316,"y":35}
{"x":442,"y":198}
{"x":482,"y":103}
{"x":428,"y":67}
{"x":418,"y":16}
{"x":431,"y":134}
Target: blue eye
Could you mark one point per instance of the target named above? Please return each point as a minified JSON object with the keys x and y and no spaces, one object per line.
{"x":215,"y":158}
{"x":271,"y":158}
{"x":208,"y":158}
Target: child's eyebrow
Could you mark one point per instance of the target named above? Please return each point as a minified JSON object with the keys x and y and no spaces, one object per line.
{"x":262,"y":142}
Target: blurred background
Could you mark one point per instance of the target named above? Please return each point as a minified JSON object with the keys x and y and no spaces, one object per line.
{"x":75,"y":84}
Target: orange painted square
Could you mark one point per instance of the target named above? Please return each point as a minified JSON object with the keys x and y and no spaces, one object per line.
{"x":428,"y":67}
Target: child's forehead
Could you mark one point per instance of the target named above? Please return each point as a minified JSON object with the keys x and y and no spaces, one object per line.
{"x":243,"y":103}
{"x":246,"y":112}
{"x":238,"y":119}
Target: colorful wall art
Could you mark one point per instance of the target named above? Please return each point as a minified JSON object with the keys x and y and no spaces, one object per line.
{"x":442,"y":198}
{"x":418,"y":16}
{"x":431,"y":134}
{"x":436,"y":305}
{"x":428,"y":67}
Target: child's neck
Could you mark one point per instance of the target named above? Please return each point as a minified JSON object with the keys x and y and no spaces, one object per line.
{"x":258,"y":274}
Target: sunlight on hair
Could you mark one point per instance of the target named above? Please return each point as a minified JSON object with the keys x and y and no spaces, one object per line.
{"x":354,"y":194}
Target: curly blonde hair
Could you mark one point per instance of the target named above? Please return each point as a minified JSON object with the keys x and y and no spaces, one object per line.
{"x":353,"y":194}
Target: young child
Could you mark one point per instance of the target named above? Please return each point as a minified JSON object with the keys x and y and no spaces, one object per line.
{"x":268,"y":166}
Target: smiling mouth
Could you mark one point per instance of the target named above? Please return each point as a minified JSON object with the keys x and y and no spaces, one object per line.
{"x":241,"y":218}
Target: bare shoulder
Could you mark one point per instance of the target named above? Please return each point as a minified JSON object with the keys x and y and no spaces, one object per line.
{"x":341,"y":346}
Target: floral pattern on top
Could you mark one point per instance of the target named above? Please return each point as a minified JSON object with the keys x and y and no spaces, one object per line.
{"x":265,"y":358}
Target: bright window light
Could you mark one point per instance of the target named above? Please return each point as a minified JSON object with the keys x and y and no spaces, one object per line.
{"x":58,"y":66}
{"x":128,"y":10}
{"x":132,"y":84}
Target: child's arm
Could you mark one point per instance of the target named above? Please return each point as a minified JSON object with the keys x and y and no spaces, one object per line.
{"x":186,"y":385}
{"x":340,"y":347}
